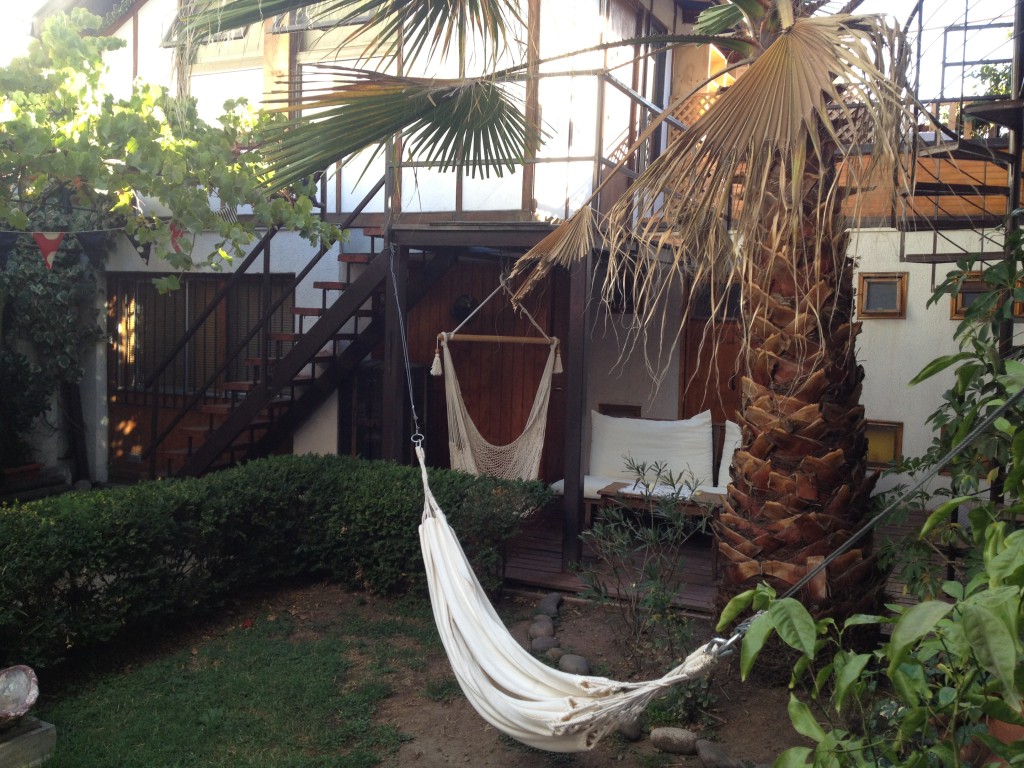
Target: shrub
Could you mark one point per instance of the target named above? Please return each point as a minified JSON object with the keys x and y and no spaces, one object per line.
{"x":85,"y":568}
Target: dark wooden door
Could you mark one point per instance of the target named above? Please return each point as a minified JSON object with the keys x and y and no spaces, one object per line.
{"x":708,"y":373}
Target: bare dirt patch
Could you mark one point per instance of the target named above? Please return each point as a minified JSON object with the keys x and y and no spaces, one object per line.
{"x":749,"y":719}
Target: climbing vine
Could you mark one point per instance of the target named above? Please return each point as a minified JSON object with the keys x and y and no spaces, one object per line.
{"x":76,"y":160}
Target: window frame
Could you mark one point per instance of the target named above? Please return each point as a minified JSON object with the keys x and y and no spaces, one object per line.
{"x":895,"y":428}
{"x":972,"y":284}
{"x":864,"y":282}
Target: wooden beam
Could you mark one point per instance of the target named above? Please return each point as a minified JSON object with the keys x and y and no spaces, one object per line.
{"x":575,"y":411}
{"x":497,"y":339}
{"x":529,"y":200}
{"x":279,"y":62}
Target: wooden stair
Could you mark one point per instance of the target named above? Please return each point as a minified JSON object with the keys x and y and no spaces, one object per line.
{"x":284,"y":384}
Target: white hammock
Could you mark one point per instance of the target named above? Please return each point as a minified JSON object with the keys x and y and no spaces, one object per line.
{"x":470,"y":452}
{"x":511,"y":689}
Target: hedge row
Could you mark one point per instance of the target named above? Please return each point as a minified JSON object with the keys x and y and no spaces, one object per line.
{"x":84,"y":568}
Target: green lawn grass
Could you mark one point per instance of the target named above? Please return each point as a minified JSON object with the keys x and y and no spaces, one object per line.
{"x":253,"y":694}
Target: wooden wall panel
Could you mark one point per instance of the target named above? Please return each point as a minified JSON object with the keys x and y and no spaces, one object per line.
{"x":498,"y":381}
{"x":708,"y":377}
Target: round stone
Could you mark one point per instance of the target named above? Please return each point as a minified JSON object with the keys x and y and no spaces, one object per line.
{"x":541,"y":629}
{"x":542,"y":644}
{"x":675,"y":741}
{"x":574,"y":665}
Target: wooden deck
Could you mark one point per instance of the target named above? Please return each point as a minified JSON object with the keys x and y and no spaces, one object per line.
{"x":534,"y":560}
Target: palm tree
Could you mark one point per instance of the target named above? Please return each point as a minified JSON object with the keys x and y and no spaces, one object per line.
{"x":787,"y":132}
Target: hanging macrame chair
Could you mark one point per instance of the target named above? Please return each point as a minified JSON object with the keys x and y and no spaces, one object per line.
{"x":511,"y":689}
{"x":468,"y":450}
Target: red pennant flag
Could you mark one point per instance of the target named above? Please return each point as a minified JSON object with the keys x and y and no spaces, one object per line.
{"x":176,"y":234}
{"x":48,"y":243}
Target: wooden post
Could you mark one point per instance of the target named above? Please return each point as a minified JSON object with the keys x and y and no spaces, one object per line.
{"x":575,"y":356}
{"x":394,"y":434}
{"x":529,"y":201}
{"x":279,"y":62}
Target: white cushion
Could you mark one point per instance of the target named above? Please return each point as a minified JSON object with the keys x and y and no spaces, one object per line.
{"x":685,"y":448}
{"x":730,"y":444}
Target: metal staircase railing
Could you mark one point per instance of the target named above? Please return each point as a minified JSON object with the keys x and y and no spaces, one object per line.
{"x":208,"y":389}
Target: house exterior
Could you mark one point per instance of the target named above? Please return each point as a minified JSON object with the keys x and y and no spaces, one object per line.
{"x":453,"y":235}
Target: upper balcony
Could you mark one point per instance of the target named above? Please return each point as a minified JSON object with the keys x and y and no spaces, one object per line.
{"x":593,"y":110}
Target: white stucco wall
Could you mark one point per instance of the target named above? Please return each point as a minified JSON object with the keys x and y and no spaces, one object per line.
{"x":618,"y":371}
{"x":894,"y":351}
{"x":155,"y":62}
{"x":319,"y":434}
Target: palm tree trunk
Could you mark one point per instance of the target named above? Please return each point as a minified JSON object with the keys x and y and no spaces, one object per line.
{"x":799,"y":482}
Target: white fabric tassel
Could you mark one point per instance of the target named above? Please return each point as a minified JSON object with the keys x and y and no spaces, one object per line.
{"x":558,"y":361}
{"x":435,"y":369}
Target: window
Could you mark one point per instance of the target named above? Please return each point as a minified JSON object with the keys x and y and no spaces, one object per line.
{"x":175,"y":37}
{"x":882,"y":295}
{"x":317,"y":16}
{"x":885,"y":443}
{"x":972,"y":288}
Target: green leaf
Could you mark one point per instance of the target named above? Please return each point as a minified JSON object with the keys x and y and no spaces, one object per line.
{"x":847,"y":676}
{"x":167,"y":284}
{"x":803,"y":721}
{"x":794,"y":757}
{"x":918,"y":621}
{"x":1013,"y":380}
{"x":760,"y":628}
{"x":909,"y":682}
{"x":861,"y":619}
{"x":941,"y":514}
{"x":994,"y":646}
{"x":794,"y":624}
{"x":966,"y":374}
{"x":1000,"y":710}
{"x":1007,"y":566}
{"x":717,"y":19}
{"x":475,"y":123}
{"x":938,"y":365}
{"x":734,"y":608}
{"x":821,"y":678}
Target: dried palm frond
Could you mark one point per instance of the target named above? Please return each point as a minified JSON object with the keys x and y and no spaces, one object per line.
{"x":474,"y":123}
{"x":425,"y":26}
{"x":568,"y":243}
{"x":822,"y":77}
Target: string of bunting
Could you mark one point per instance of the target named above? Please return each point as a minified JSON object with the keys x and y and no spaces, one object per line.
{"x":91,"y":240}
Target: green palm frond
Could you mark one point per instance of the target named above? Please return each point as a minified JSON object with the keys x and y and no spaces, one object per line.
{"x":424,"y":26}
{"x":433,"y":26}
{"x":718,"y":19}
{"x":476,"y":124}
{"x":208,"y":17}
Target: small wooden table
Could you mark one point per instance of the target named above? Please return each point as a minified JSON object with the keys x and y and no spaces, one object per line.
{"x":698,"y":504}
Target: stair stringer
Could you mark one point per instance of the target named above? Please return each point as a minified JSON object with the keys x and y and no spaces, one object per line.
{"x":345,"y":364}
{"x":285,"y":371}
